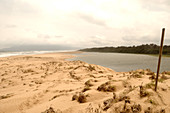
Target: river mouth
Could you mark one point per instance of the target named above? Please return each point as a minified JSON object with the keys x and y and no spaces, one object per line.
{"x":122,"y":62}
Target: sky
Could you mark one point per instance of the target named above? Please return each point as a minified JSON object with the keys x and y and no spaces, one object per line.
{"x":83,"y":23}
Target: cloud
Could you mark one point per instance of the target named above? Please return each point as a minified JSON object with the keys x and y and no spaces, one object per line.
{"x":45,"y":36}
{"x":156,"y":5}
{"x":91,"y":19}
{"x":83,"y":23}
{"x":11,"y":26}
{"x":58,"y":36}
{"x":17,"y":7}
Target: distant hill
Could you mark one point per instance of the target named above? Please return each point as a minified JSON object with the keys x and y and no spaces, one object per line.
{"x":141,"y":49}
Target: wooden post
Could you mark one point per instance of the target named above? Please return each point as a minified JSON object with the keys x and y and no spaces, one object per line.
{"x":159,"y":61}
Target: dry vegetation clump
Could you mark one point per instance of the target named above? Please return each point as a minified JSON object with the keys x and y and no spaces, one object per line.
{"x":51,"y":110}
{"x":152,"y":77}
{"x":128,"y":108}
{"x":150,"y":110}
{"x":136,"y":74}
{"x":136,"y":108}
{"x":100,"y":72}
{"x":123,"y":97}
{"x":82,"y":98}
{"x":88,"y":67}
{"x":6,"y":96}
{"x":163,"y":78}
{"x":3,"y":79}
{"x":166,"y":72}
{"x":107,"y":104}
{"x":152,"y":101}
{"x":106,"y":87}
{"x":28,"y":71}
{"x":111,"y":88}
{"x":38,"y":81}
{"x":142,"y":72}
{"x":72,"y":74}
{"x":143,"y":92}
{"x":75,"y":97}
{"x":89,"y":83}
{"x":91,"y":68}
{"x":150,"y":85}
{"x":150,"y":73}
{"x":91,"y":109}
{"x":125,"y":84}
{"x":86,"y":88}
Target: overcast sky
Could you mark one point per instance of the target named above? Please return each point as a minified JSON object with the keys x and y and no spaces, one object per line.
{"x":83,"y":23}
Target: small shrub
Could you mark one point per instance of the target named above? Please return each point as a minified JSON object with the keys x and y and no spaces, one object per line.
{"x":150,"y":85}
{"x":142,"y":72}
{"x":123,"y":97}
{"x":82,"y":98}
{"x":100,"y":71}
{"x":125,"y":84}
{"x":152,"y":77}
{"x":3,"y":79}
{"x":164,"y":77}
{"x":143,"y":92}
{"x":107,"y":104}
{"x":91,"y":68}
{"x":86,"y":89}
{"x":148,"y":110}
{"x":102,"y":88}
{"x":95,"y":80}
{"x":51,"y":110}
{"x":75,"y":97}
{"x":111,"y":88}
{"x":136,"y":108}
{"x":88,"y":83}
{"x":166,"y":72}
{"x":136,"y":75}
{"x":5,"y":96}
{"x":161,"y":80}
{"x":150,"y":73}
{"x":152,"y":102}
{"x":106,"y":87}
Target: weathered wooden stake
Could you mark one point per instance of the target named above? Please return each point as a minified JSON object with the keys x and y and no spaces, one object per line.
{"x":159,"y":61}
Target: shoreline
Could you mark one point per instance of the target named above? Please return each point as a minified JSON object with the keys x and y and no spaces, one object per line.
{"x":155,"y":55}
{"x":43,"y":82}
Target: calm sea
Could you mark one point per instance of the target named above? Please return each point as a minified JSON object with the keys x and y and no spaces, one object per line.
{"x":6,"y":54}
{"x":121,"y":62}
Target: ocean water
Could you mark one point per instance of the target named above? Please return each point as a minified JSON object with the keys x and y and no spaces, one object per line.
{"x":6,"y":54}
{"x":121,"y":62}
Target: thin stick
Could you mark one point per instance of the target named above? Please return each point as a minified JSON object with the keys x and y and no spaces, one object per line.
{"x":159,"y":61}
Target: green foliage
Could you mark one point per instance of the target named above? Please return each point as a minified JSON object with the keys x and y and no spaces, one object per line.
{"x":141,"y":49}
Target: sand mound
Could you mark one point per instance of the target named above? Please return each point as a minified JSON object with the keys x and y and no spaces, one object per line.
{"x":48,"y":84}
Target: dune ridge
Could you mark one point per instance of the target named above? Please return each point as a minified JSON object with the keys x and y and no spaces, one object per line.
{"x":47,"y":83}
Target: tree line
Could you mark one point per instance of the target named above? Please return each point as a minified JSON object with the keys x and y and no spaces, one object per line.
{"x":141,"y":49}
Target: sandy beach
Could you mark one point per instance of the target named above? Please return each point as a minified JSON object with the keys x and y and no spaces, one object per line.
{"x":47,"y":83}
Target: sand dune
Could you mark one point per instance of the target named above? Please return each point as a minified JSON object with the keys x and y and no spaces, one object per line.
{"x":47,"y":83}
